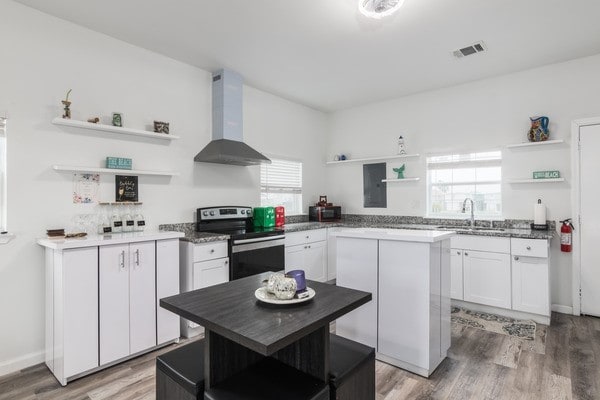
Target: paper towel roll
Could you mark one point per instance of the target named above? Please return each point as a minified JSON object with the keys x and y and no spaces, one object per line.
{"x":539,"y":213}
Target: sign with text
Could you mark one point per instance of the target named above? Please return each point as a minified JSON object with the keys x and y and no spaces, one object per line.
{"x":126,"y":188}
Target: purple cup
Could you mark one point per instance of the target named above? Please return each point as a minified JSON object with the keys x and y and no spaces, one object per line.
{"x":298,"y":275}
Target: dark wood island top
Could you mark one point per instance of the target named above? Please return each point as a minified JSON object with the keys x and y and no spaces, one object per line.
{"x":231,"y":310}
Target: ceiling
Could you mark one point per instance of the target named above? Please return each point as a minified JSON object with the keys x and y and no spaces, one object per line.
{"x":325,"y":54}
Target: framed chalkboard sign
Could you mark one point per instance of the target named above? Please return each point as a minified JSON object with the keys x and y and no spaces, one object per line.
{"x":126,"y":188}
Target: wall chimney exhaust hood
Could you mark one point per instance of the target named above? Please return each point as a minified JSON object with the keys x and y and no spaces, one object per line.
{"x":227,"y":146}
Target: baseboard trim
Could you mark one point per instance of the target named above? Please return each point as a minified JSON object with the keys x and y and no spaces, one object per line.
{"x":559,"y":308}
{"x":19,"y":363}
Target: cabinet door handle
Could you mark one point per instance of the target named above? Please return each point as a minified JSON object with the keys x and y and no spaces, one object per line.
{"x":466,"y":254}
{"x":528,"y":247}
{"x":516,"y":258}
{"x":226,"y":262}
{"x":123,"y":259}
{"x":309,"y":246}
{"x":306,"y":247}
{"x":308,"y":237}
{"x":212,"y":251}
{"x":458,"y":253}
{"x":137,"y":257}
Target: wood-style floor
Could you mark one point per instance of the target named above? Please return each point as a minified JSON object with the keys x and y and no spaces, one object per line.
{"x":562,"y":363}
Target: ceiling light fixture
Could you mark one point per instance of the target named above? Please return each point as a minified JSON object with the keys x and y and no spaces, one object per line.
{"x":379,"y":8}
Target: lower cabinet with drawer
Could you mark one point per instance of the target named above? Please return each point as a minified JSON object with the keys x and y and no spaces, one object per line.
{"x":201,"y":265}
{"x":505,"y":273}
{"x":307,"y":250}
{"x":530,"y":276}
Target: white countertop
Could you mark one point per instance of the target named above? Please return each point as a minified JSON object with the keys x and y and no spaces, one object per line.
{"x":406,"y":235}
{"x":103,"y":240}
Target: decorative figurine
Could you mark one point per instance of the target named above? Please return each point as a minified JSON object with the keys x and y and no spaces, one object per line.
{"x":161,"y":127}
{"x":117,"y":119}
{"x":400,"y":171}
{"x":93,"y":120}
{"x":67,"y":104}
{"x":401,"y":149}
{"x":539,"y":129}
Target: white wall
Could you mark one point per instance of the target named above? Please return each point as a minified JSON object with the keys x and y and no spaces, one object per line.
{"x":42,"y":57}
{"x":482,"y":115}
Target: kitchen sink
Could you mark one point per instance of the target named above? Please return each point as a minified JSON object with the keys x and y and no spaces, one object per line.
{"x":468,"y":228}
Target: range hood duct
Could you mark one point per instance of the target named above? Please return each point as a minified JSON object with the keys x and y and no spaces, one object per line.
{"x":227,"y":146}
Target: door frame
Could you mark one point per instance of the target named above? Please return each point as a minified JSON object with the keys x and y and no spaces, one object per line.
{"x":576,"y":206}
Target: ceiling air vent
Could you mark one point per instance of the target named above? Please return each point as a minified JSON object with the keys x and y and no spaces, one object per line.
{"x":475,"y":48}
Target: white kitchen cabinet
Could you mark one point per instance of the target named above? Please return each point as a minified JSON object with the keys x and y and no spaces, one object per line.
{"x":210,"y":273}
{"x":71,"y":311}
{"x":408,"y":319}
{"x":358,"y":262}
{"x":530,"y":280}
{"x":456,"y":274}
{"x":487,"y":278}
{"x":307,"y":250}
{"x":101,"y":299}
{"x":127,"y":299}
{"x":410,"y":303}
{"x":201,"y":265}
{"x":167,"y":284}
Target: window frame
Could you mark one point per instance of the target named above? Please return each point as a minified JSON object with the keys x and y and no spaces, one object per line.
{"x":458,"y":161}
{"x":274,"y":189}
{"x":3,"y":167}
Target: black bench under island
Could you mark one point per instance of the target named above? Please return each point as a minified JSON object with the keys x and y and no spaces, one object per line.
{"x":254,"y":350}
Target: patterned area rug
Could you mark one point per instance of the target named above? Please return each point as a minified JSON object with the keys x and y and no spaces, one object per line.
{"x":522,"y":329}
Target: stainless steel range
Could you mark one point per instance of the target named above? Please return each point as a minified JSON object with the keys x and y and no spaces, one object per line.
{"x":251,"y":250}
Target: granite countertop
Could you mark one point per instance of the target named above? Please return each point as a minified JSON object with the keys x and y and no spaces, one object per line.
{"x":203,"y":237}
{"x":461,"y":230}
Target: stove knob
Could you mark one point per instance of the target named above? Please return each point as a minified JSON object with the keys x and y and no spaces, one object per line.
{"x":205,"y":213}
{"x":212,"y":213}
{"x":243,"y":211}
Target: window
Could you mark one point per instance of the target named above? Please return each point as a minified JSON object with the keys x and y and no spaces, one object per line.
{"x":2,"y":173}
{"x":453,"y":178}
{"x":281,"y":185}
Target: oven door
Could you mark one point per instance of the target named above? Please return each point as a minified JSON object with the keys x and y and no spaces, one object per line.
{"x":255,"y":256}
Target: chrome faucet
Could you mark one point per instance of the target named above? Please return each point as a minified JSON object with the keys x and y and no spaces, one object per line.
{"x":464,"y":210}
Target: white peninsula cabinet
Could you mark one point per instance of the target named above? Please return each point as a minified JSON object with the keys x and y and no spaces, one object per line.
{"x":307,"y":250}
{"x":408,"y":274}
{"x":102,"y":295}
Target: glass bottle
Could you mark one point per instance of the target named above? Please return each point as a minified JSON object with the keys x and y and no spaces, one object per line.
{"x":140,"y":222}
{"x":127,"y":219}
{"x":116,"y":222}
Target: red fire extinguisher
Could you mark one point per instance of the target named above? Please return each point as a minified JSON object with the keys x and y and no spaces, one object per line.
{"x":566,"y":236}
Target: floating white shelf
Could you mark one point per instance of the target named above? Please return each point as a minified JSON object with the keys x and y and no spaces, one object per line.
{"x":530,"y":144}
{"x":362,"y":160}
{"x":111,"y":171}
{"x":112,"y":129}
{"x":401,"y":180}
{"x":120,"y":203}
{"x":553,"y":180}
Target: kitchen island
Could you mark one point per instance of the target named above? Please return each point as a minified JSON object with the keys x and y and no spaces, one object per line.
{"x":241,"y":331}
{"x":408,"y":272}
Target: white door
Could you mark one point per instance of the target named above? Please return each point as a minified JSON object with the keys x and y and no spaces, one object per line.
{"x":357,"y":269}
{"x":530,"y":285}
{"x":142,"y":296}
{"x":315,"y":261}
{"x":456,"y":274}
{"x":167,"y":284}
{"x":294,"y":257}
{"x":589,"y":137}
{"x":80,"y":301}
{"x":487,"y":278}
{"x":210,"y":273}
{"x":114,"y":302}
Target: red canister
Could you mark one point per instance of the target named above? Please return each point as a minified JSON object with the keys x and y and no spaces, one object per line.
{"x":279,"y":216}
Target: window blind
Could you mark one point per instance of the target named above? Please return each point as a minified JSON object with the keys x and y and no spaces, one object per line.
{"x":281,"y":176}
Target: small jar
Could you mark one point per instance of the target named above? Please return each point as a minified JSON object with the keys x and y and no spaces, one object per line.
{"x":285,"y":288}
